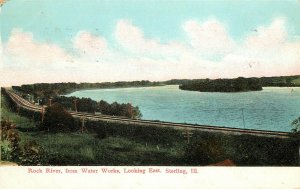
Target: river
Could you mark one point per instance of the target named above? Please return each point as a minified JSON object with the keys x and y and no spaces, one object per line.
{"x":273,"y":108}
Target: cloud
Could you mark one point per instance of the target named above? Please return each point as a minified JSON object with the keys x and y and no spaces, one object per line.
{"x":133,"y":40}
{"x":26,"y":60}
{"x":267,"y":37}
{"x":89,"y":45}
{"x":209,"y":38}
{"x":269,"y":51}
{"x":132,"y":37}
{"x":22,"y":47}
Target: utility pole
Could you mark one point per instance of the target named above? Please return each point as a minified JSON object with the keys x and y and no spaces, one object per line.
{"x":18,"y":109}
{"x":130,"y":110}
{"x":43,"y":113}
{"x":82,"y":124}
{"x":187,"y":134}
{"x":50,"y":101}
{"x":75,"y":104}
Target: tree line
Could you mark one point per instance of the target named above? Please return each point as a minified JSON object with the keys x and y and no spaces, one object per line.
{"x":103,"y":107}
{"x":41,"y":93}
{"x":224,"y":85}
{"x":281,"y":81}
{"x":54,"y":89}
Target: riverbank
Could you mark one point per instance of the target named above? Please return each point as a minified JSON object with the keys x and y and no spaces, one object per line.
{"x":88,"y":148}
{"x":105,"y":143}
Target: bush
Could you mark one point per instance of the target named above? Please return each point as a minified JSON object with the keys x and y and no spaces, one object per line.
{"x":296,"y":125}
{"x":58,"y":119}
{"x":203,"y":152}
{"x":9,"y":140}
{"x":6,"y":150}
{"x":33,"y":154}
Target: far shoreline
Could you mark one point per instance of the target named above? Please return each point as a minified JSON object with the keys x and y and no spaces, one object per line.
{"x":127,"y":87}
{"x":178,"y":89}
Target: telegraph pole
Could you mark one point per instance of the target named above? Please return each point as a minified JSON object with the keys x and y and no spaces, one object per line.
{"x":75,"y":104}
{"x":187,"y":134}
{"x":18,"y":109}
{"x":130,"y":110}
{"x":82,"y":124}
{"x":50,"y":101}
{"x":43,"y":113}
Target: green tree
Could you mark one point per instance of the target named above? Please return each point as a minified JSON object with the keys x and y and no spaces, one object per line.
{"x":58,"y":119}
{"x":296,"y":125}
{"x":137,"y":114}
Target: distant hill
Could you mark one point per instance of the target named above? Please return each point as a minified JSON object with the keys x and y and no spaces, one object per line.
{"x":276,"y":81}
{"x":224,"y":85}
{"x":281,"y":81}
{"x":55,"y":89}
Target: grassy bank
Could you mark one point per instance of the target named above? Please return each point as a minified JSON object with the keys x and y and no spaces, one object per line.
{"x":113,"y":144}
{"x":87,"y":148}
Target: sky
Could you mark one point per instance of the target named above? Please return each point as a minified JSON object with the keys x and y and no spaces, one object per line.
{"x":98,"y":41}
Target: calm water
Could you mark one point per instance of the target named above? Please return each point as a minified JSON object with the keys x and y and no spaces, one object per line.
{"x":273,"y":108}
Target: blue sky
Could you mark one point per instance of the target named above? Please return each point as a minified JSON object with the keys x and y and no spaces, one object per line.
{"x":180,"y":30}
{"x":58,"y":21}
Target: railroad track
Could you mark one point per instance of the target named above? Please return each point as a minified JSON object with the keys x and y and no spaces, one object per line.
{"x":123,"y":120}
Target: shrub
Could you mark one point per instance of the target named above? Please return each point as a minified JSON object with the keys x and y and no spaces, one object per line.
{"x":296,"y":125}
{"x":5,"y":150}
{"x":33,"y":154}
{"x":9,"y":140}
{"x":203,"y":151}
{"x":58,"y":119}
